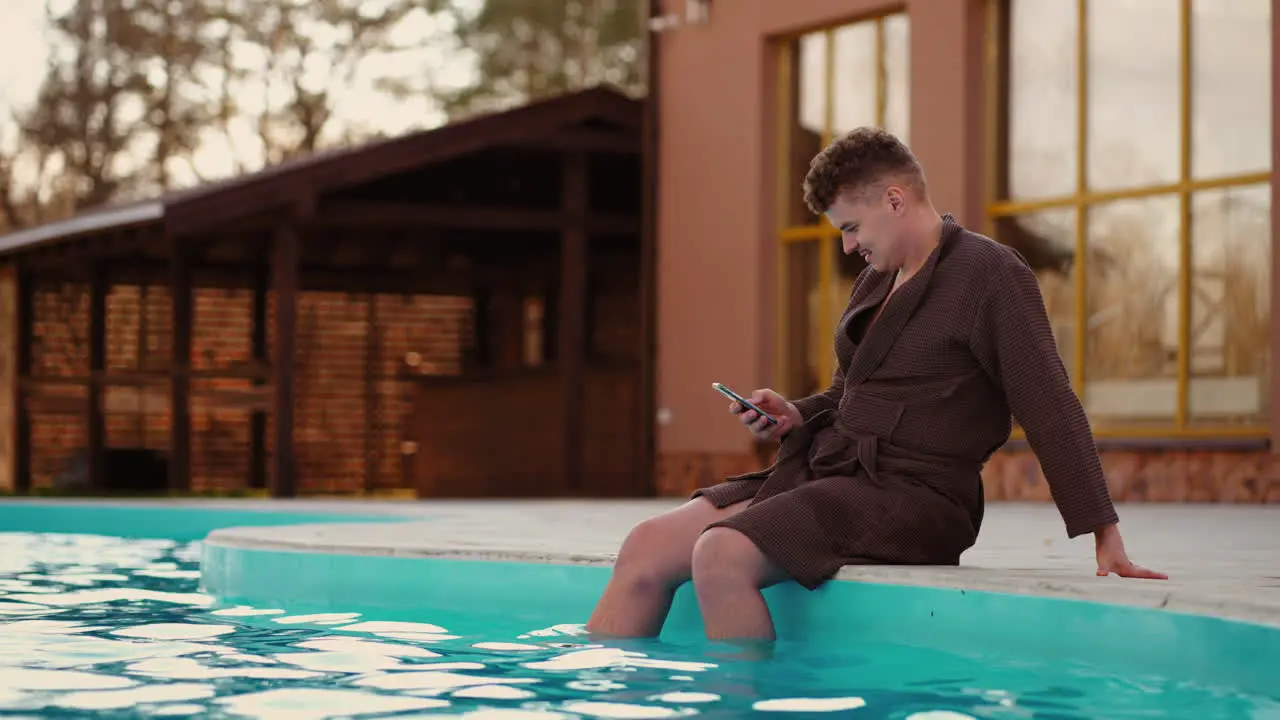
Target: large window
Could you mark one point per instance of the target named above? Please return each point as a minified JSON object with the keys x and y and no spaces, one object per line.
{"x":1133,"y":159}
{"x":831,"y":81}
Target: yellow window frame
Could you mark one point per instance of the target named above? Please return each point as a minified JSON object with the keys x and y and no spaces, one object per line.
{"x":1083,"y":199}
{"x":824,"y":233}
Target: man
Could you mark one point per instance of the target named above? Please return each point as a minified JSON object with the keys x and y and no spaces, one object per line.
{"x":944,"y":337}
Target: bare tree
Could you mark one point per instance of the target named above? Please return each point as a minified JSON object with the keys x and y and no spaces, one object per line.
{"x":527,"y":50}
{"x":171,"y":45}
{"x":309,"y":49}
{"x":82,"y":114}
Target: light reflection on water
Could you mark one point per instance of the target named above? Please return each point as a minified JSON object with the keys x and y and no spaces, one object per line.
{"x":116,"y":628}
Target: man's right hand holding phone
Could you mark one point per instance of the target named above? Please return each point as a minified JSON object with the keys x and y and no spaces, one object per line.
{"x":774,"y":404}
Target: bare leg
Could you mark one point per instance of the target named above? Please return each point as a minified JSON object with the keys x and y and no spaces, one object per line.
{"x":729,"y":572}
{"x":655,"y":559}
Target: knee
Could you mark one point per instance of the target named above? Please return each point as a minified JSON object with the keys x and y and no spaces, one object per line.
{"x":640,"y":542}
{"x":641,"y":564}
{"x":723,"y":557}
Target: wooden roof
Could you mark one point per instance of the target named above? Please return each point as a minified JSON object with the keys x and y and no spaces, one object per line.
{"x":595,"y":119}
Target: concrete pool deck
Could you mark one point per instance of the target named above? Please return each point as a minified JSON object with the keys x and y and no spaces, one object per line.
{"x":1223,"y":560}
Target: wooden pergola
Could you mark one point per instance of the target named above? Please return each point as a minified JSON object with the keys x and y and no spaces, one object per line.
{"x":462,"y":211}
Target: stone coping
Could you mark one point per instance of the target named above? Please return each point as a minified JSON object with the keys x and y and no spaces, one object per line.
{"x":1223,"y":560}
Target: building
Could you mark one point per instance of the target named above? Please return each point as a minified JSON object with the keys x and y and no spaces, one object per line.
{"x":450,"y":312}
{"x":1137,"y":177}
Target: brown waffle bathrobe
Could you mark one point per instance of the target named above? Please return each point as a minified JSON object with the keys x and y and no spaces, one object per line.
{"x":887,"y":466}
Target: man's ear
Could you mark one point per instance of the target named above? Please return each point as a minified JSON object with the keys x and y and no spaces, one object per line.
{"x":896,"y":200}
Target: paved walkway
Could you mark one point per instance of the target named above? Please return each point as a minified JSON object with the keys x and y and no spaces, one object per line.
{"x":1222,"y":559}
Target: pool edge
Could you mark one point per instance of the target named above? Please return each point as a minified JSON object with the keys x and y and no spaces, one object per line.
{"x":1156,"y":596}
{"x":511,"y":596}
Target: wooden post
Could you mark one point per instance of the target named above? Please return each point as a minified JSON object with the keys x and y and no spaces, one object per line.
{"x":506,"y":326}
{"x":24,"y":320}
{"x":285,"y":260}
{"x":479,"y":356}
{"x":182,"y":318}
{"x":572,"y":324}
{"x":95,"y":425}
{"x":372,"y":394}
{"x":142,"y":349}
{"x":258,"y":420}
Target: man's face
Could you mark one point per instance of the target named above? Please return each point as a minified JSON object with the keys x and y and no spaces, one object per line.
{"x":870,"y":225}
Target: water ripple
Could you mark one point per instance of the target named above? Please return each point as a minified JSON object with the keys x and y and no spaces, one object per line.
{"x":92,"y":624}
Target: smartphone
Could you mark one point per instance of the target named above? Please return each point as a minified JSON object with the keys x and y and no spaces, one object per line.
{"x":744,"y":402}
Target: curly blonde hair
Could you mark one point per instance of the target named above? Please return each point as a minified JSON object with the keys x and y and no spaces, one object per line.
{"x":858,"y":161}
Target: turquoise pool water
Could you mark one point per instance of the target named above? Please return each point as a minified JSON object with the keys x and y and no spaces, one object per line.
{"x":160,"y":519}
{"x":106,"y":625}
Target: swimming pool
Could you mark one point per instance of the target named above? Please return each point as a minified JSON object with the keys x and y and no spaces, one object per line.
{"x":114,"y":619}
{"x":162,"y":519}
